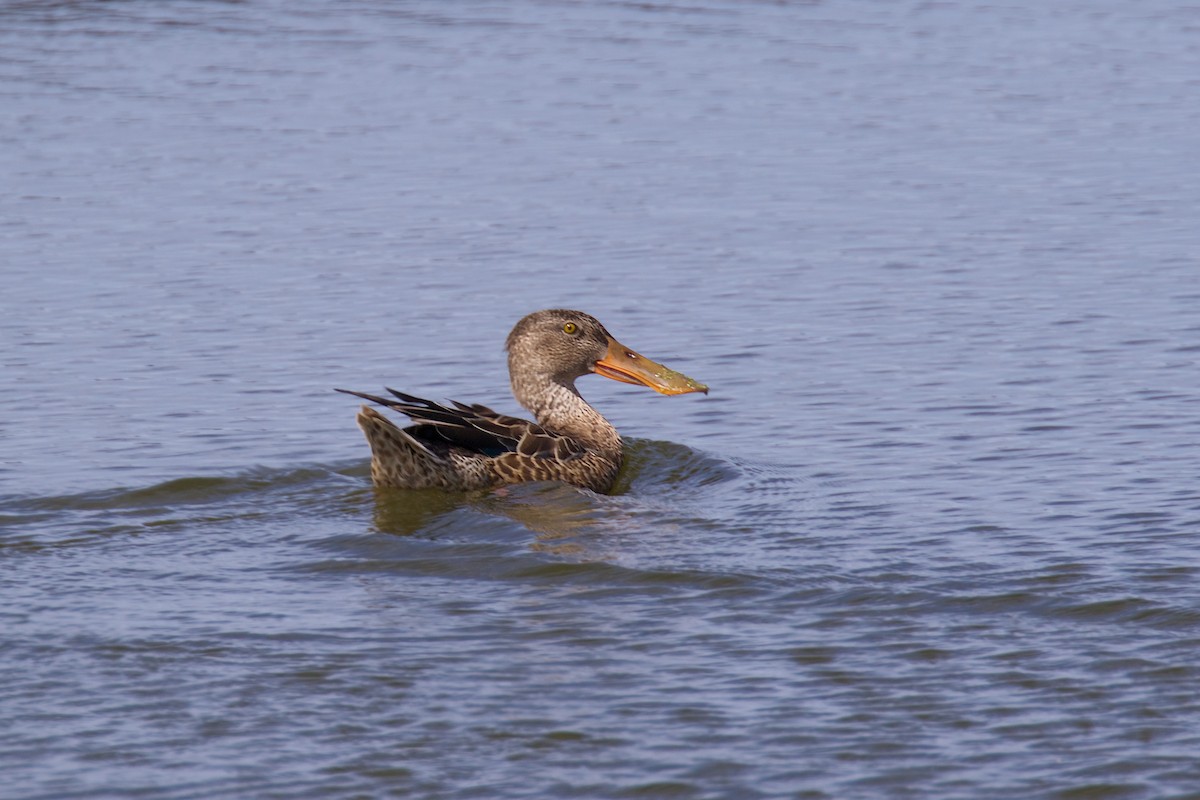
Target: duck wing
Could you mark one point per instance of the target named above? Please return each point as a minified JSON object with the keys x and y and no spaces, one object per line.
{"x":476,"y":428}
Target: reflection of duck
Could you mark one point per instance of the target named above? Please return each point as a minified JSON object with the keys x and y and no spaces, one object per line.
{"x":472,"y":447}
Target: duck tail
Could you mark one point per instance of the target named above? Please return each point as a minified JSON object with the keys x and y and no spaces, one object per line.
{"x":398,"y":459}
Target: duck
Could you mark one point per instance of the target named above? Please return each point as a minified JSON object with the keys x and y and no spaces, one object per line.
{"x":463,"y":447}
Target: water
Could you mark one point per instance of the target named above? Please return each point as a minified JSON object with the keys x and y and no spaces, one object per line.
{"x":933,"y":534}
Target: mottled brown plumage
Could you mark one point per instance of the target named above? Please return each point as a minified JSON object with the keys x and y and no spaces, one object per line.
{"x":461,"y":447}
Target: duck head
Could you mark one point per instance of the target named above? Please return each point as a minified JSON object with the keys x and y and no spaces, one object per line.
{"x":561,"y":345}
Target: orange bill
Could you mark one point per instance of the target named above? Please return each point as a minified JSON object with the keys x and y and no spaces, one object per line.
{"x":622,"y":364}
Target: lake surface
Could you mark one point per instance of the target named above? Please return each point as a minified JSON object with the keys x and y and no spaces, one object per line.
{"x":934,"y":533}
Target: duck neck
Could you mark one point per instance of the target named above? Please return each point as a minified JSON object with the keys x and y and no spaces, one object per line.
{"x":558,"y":407}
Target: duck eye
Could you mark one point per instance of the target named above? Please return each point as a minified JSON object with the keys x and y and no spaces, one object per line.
{"x":570,"y":328}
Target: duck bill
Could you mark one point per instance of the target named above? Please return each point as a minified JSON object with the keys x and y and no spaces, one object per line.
{"x":624,"y":365}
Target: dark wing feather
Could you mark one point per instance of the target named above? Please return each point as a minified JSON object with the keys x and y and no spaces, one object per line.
{"x":534,"y":440}
{"x":476,"y":428}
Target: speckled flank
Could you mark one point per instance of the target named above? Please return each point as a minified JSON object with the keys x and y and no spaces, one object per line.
{"x":595,"y":471}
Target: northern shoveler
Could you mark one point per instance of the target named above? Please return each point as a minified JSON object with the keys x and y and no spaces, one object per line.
{"x":462,"y":447}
